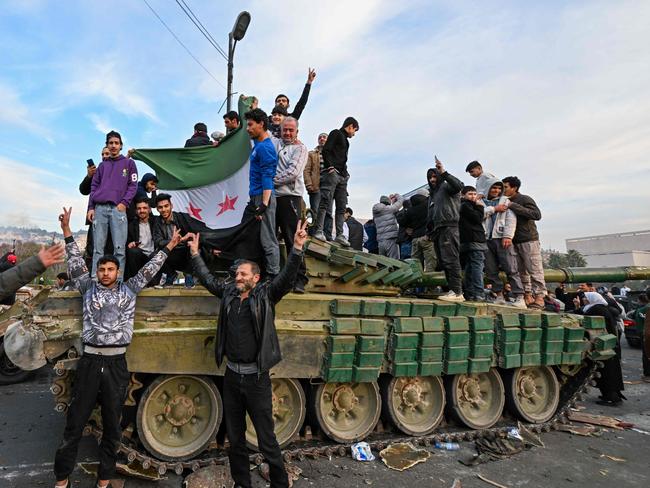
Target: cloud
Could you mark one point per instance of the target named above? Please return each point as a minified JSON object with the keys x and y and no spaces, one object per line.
{"x":100,"y":123}
{"x":105,"y":83}
{"x":33,"y":196}
{"x":17,"y":114}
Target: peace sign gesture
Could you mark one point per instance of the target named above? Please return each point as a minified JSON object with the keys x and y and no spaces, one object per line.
{"x":64,"y":220}
{"x":301,"y":235}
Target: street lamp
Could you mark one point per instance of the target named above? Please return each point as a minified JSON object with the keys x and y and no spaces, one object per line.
{"x":236,"y":34}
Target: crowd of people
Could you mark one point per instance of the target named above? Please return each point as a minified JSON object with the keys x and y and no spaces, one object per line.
{"x":472,"y":233}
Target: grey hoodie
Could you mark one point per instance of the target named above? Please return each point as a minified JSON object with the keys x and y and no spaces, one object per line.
{"x":497,"y":225}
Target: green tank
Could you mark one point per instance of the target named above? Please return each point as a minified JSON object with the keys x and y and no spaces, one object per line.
{"x":361,"y":356}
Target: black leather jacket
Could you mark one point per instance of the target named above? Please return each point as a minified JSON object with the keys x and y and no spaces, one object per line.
{"x":262,"y":300}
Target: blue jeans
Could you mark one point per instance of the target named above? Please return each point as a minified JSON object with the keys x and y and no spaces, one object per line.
{"x":107,"y":216}
{"x":473,"y":279}
{"x":405,"y":250}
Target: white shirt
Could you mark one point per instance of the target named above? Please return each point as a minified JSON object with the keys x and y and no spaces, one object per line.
{"x":146,"y":240}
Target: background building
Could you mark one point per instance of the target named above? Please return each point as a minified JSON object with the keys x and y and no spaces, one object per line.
{"x":622,"y":249}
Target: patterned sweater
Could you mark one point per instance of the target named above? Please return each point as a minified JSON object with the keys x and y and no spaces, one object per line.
{"x":108,"y":313}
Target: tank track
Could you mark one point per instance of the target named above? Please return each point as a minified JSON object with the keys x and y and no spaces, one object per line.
{"x":571,"y":392}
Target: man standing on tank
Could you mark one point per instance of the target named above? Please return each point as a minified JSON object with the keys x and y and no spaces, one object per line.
{"x":246,"y":335}
{"x":442,"y":226}
{"x":113,"y":187}
{"x":261,"y":190}
{"x":334,"y":179}
{"x":526,"y":241}
{"x":108,"y":309}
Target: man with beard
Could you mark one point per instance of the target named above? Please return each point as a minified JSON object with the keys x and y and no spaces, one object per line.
{"x":290,"y":186}
{"x":246,"y":335}
{"x":140,"y":247}
{"x":442,"y":226}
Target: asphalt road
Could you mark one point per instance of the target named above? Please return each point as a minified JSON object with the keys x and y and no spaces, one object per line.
{"x":30,"y":431}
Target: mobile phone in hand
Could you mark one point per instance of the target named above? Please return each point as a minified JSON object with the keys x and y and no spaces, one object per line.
{"x":90,"y":162}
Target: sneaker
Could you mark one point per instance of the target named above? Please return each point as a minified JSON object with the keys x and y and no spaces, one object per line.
{"x":519,"y":302}
{"x":450,"y":296}
{"x":500,"y":300}
{"x":340,"y":239}
{"x":319,"y":235}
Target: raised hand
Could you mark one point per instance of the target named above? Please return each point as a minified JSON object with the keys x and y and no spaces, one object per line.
{"x":52,"y":255}
{"x":194,"y":244}
{"x":64,"y":220}
{"x":439,"y":166}
{"x":176,"y":238}
{"x":311,"y":74}
{"x":300,"y":237}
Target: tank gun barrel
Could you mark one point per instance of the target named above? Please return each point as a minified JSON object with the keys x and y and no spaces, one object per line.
{"x":566,"y":275}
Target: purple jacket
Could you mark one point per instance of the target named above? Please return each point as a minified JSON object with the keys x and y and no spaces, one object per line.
{"x":116,"y":181}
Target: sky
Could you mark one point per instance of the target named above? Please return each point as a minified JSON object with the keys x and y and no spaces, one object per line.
{"x":556,"y":93}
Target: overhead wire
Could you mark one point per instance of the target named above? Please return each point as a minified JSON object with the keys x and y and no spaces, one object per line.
{"x":195,"y":20}
{"x":183,"y":45}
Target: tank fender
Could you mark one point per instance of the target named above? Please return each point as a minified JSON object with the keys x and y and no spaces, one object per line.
{"x":24,"y":346}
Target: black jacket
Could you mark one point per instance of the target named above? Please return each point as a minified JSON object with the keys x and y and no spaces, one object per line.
{"x":335,"y":151}
{"x":527,"y":213}
{"x":415,"y":217}
{"x":133,"y":230}
{"x":300,"y":106}
{"x":355,"y":236}
{"x":470,"y":226}
{"x":262,"y":300}
{"x":85,"y":185}
{"x":444,"y":201}
{"x":84,"y":189}
{"x":163,"y":231}
{"x":200,"y":139}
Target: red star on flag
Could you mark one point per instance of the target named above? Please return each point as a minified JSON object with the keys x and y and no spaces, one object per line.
{"x":196,"y":212}
{"x":228,"y":204}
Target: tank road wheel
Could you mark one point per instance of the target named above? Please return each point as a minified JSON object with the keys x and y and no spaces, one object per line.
{"x":288,"y":412}
{"x":570,"y":369}
{"x":533,"y":393}
{"x":415,"y":405}
{"x":9,"y":372}
{"x":477,"y":400}
{"x":347,"y":412}
{"x":178,"y":416}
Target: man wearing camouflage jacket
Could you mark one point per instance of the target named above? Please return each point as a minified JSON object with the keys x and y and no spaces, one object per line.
{"x":102,"y":376}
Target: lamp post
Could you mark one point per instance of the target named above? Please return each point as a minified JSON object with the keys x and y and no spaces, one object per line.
{"x":236,"y":34}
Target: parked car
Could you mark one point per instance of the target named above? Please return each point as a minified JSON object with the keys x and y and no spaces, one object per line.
{"x":632,"y":333}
